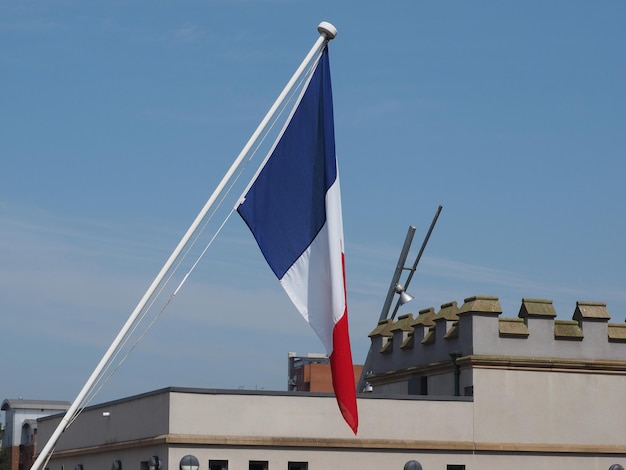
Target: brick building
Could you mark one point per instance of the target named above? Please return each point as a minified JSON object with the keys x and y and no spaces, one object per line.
{"x":311,"y":373}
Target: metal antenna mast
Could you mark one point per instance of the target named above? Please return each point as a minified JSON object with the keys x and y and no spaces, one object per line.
{"x":396,"y":288}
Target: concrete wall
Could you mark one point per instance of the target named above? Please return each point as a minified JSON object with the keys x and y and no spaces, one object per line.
{"x":538,"y":409}
{"x":140,"y":418}
{"x":308,"y":416}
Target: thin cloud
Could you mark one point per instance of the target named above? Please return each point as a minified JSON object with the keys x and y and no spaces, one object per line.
{"x":186,"y":34}
{"x":381,"y":111}
{"x":451,"y":269}
{"x":32,"y":25}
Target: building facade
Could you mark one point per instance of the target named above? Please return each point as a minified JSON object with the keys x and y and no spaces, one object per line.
{"x":456,"y":389}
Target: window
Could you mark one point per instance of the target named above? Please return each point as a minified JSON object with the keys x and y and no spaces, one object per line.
{"x":218,"y":464}
{"x":189,"y":462}
{"x":418,"y":386}
{"x":258,"y":465}
{"x":298,"y":466}
{"x":423,"y":385}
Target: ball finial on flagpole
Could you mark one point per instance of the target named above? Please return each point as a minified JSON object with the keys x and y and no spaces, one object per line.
{"x":328,"y":30}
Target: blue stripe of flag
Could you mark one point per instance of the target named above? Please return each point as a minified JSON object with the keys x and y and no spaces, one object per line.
{"x":285,"y":206}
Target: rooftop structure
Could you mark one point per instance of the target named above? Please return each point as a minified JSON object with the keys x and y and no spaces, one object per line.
{"x":436,"y":353}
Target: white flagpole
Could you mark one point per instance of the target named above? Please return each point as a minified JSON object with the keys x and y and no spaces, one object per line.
{"x":327,"y":32}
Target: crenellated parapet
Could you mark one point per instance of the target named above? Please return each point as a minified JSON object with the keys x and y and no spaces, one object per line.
{"x":477,"y":329}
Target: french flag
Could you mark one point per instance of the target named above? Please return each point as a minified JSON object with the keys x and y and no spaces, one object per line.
{"x":293,"y":208}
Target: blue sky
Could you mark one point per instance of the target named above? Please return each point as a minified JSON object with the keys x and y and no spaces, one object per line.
{"x":119,"y":118}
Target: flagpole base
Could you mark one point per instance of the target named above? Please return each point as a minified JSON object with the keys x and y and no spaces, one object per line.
{"x":327,"y":30}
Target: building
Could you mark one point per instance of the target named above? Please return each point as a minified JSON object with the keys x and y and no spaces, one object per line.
{"x":456,"y":349}
{"x":311,"y":373}
{"x":20,"y":433}
{"x":252,"y":430}
{"x":457,"y":389}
